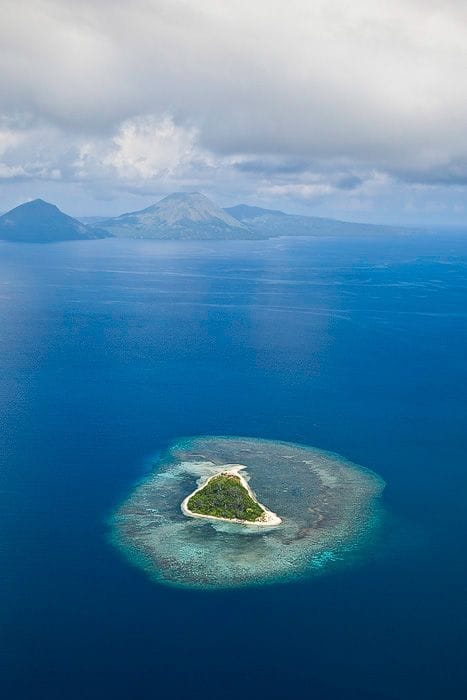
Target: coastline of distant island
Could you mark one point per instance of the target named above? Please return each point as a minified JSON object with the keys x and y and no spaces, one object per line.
{"x":181,"y":216}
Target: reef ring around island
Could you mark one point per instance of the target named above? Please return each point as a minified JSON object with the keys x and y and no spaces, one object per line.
{"x":327,"y":507}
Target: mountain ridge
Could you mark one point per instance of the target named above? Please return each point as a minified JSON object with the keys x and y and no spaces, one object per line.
{"x":192,"y":216}
{"x":271,"y":223}
{"x":178,"y":216}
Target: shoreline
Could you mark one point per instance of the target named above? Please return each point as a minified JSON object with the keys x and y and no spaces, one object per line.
{"x":270,"y":519}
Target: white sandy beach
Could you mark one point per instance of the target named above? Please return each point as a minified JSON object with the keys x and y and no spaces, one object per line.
{"x":269,"y":519}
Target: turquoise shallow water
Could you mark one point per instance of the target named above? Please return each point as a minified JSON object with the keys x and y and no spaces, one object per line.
{"x":329,"y":506}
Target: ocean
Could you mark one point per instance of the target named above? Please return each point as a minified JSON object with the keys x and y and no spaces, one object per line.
{"x":112,"y":350}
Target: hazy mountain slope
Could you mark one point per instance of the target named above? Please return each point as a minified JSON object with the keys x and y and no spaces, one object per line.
{"x":41,"y":222}
{"x":92,"y":220}
{"x":179,"y":216}
{"x":271,"y":222}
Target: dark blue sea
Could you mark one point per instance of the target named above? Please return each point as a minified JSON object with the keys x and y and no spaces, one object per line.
{"x":110,"y":350}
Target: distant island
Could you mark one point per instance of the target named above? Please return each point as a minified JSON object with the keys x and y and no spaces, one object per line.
{"x":227,"y":496}
{"x":179,"y":216}
{"x":40,"y":222}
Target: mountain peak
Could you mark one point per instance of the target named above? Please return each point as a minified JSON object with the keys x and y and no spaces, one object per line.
{"x":190,"y":196}
{"x":38,"y":204}
{"x":194,"y":207}
{"x":38,"y":221}
{"x":185,"y":215}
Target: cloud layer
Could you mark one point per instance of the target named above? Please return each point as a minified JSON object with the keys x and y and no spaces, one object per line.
{"x":353,"y":109}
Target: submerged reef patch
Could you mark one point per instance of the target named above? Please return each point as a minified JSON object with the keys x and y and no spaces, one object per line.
{"x":329,"y":509}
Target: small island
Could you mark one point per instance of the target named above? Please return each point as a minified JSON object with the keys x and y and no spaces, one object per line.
{"x":198,"y":520}
{"x":227,"y":496}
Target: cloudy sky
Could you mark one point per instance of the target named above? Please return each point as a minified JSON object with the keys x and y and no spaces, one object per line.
{"x":350,"y":109}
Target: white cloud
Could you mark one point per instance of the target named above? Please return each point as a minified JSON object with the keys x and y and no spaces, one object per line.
{"x":9,"y":139}
{"x":9,"y":172}
{"x":305,"y":191}
{"x":178,"y":93}
{"x":146,"y":148}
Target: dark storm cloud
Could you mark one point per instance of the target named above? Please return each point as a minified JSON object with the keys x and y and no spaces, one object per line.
{"x":449,"y":174}
{"x":348,"y":182}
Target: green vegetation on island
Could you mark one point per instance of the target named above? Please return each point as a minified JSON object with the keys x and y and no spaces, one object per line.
{"x":224,"y":496}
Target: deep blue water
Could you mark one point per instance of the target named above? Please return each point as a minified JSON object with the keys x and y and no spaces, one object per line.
{"x":109,"y":350}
